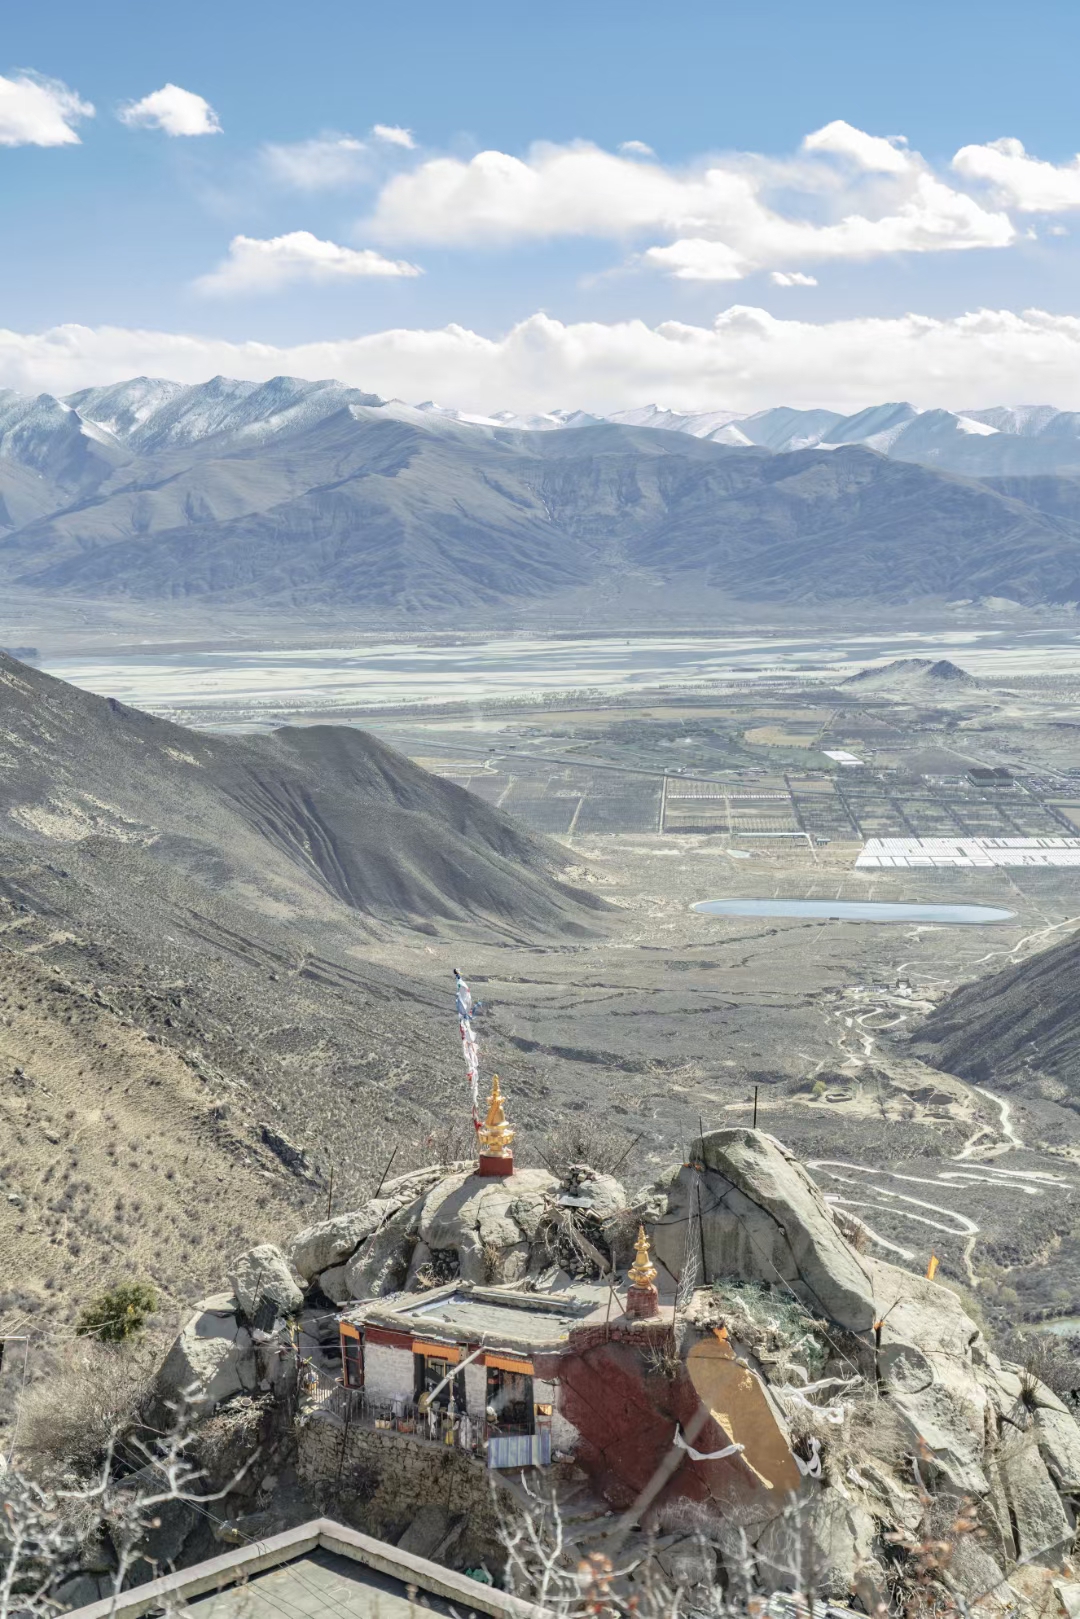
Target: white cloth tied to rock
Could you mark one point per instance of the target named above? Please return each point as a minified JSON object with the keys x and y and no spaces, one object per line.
{"x":704,"y":1455}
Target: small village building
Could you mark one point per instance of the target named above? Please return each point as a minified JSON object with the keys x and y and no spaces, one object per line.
{"x":471,"y":1366}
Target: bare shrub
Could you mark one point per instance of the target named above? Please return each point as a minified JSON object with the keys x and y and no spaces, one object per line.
{"x":1045,"y":1358}
{"x":852,"y":1229}
{"x":583,"y":1140}
{"x":48,"y":1524}
{"x":773,"y":1323}
{"x":67,"y":1419}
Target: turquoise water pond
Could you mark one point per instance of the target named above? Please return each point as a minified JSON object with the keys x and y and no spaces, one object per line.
{"x":857,"y":910}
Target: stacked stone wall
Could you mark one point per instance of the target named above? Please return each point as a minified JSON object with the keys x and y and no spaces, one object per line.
{"x":378,"y":1481}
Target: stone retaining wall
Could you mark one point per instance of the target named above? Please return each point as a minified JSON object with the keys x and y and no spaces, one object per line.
{"x":379,"y":1481}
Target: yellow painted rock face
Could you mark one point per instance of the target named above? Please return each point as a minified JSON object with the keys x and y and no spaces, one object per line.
{"x":740,"y":1407}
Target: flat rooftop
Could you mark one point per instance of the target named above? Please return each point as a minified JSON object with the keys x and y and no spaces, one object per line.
{"x":487,"y":1315}
{"x":546,"y":1322}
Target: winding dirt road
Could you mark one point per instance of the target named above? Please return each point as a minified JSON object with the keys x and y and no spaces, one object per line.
{"x":861,"y":1029}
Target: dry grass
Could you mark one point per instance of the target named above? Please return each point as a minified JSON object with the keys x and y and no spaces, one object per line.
{"x":113,"y":1164}
{"x":96,"y":1390}
{"x":1044,"y":1358}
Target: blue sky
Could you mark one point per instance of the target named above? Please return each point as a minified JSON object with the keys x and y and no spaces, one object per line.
{"x":343,"y":238}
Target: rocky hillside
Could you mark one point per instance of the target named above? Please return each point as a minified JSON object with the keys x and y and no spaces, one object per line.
{"x":1020,"y":1025}
{"x":869,"y":1390}
{"x":192,"y":1032}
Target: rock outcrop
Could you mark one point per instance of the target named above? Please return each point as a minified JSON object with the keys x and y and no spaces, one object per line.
{"x":879,"y":1390}
{"x":763,"y":1220}
{"x":487,"y":1223}
{"x":212,"y":1358}
{"x":264,"y":1275}
{"x":332,"y":1242}
{"x":936,"y":1409}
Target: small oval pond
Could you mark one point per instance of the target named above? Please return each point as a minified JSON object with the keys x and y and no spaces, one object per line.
{"x":855,"y":910}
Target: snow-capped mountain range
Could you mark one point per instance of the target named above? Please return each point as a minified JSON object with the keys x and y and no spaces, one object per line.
{"x":291,"y":494}
{"x":150,"y":414}
{"x":980,"y":443}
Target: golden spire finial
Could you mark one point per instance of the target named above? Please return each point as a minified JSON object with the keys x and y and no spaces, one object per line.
{"x":642,"y":1272}
{"x":495,"y":1134}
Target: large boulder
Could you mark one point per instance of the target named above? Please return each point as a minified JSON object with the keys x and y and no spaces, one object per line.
{"x":1058,"y":1438}
{"x":762,"y":1220}
{"x":381,"y":1264}
{"x":82,"y":1589}
{"x":488,"y":1222}
{"x":821,"y":1544}
{"x":333,"y":1284}
{"x":333,"y":1241}
{"x":211,"y":1360}
{"x":263,"y":1274}
{"x":599,"y":1195}
{"x":1040,"y":1527}
{"x":975,"y":1574}
{"x":933,"y":1364}
{"x":160,"y":1545}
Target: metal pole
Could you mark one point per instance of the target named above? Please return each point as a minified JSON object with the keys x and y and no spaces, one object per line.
{"x":385,"y":1172}
{"x":755,"y":1106}
{"x":330,"y":1192}
{"x":620,"y":1161}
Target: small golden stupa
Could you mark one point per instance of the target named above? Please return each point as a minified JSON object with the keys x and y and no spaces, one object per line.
{"x":642,"y":1298}
{"x":496,"y":1136}
{"x":642,"y":1272}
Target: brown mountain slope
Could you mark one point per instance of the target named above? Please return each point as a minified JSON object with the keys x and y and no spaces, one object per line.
{"x":193,"y":1032}
{"x":1019,"y":1023}
{"x":306,"y":820}
{"x":117,"y":1160}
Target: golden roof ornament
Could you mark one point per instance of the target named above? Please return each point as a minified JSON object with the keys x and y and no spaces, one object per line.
{"x":495,"y":1134}
{"x":642,"y":1272}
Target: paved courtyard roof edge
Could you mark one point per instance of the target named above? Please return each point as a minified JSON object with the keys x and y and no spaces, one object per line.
{"x":324,"y":1534}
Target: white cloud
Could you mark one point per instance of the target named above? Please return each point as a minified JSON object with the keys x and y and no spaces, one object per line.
{"x":931,"y":219}
{"x":792,"y":278}
{"x":636,"y":149}
{"x":39,"y":112}
{"x":176,"y":111}
{"x":319,"y":164}
{"x":694,"y":258}
{"x":394,"y":135}
{"x":1028,"y":183}
{"x":745,"y":360}
{"x":718,"y":219}
{"x":872,"y":152}
{"x":253,"y":265}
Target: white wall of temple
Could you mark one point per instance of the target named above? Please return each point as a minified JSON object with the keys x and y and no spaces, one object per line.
{"x":388,"y":1372}
{"x":564,"y":1436}
{"x":475,"y":1376}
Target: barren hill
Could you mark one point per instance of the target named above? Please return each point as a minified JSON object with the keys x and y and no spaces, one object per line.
{"x":191,"y":1032}
{"x":1022,"y":1023}
{"x":294,"y":821}
{"x":922,"y":675}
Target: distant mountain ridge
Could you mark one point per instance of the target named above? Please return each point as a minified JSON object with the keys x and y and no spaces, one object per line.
{"x":295,"y":495}
{"x":153,"y":414}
